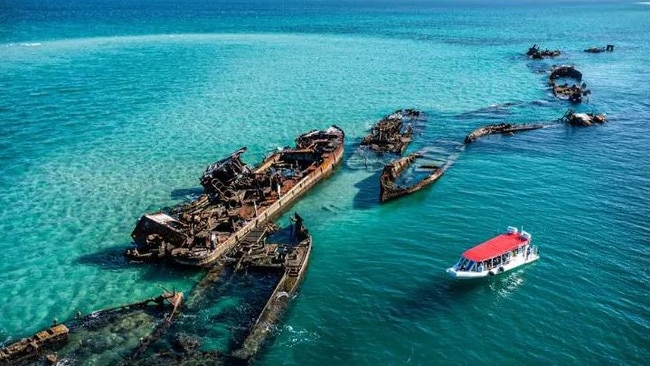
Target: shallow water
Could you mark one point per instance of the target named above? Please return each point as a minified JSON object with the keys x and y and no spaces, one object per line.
{"x":110,"y":111}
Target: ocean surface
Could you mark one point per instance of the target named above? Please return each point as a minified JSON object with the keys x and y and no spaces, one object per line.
{"x":110,"y":109}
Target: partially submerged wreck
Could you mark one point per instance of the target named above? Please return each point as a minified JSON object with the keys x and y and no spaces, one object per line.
{"x":293,"y":259}
{"x":392,"y":187}
{"x":281,"y":257}
{"x":501,"y":128}
{"x":565,"y":71}
{"x":536,"y":53}
{"x":572,"y":93}
{"x":30,"y":349}
{"x":237,"y":199}
{"x":583,"y":119}
{"x":86,"y":335}
{"x":608,"y":48}
{"x":394,"y":132}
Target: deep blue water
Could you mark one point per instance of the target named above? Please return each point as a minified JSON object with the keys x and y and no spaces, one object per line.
{"x":109,"y":109}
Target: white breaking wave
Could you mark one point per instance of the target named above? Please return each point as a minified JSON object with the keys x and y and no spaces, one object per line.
{"x":34,"y":44}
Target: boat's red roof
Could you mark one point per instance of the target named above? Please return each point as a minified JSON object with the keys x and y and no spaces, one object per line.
{"x":496,"y":246}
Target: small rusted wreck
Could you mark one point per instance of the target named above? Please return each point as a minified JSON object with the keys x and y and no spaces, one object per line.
{"x":77,"y":336}
{"x":583,"y":119}
{"x":237,"y":199}
{"x":608,"y":48}
{"x":393,"y":185}
{"x":394,"y":132}
{"x":573,"y":93}
{"x":293,"y":259}
{"x":565,"y":71}
{"x":30,"y":349}
{"x":536,"y":53}
{"x":501,"y":128}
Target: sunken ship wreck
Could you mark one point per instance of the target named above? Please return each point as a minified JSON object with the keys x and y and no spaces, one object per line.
{"x":536,"y":53}
{"x":84,"y":337}
{"x":608,"y":48}
{"x":237,"y":199}
{"x":147,"y":333}
{"x":290,"y":258}
{"x":392,"y":185}
{"x":573,"y":93}
{"x":281,"y":257}
{"x":583,"y":119}
{"x":393,"y":133}
{"x":29,"y":349}
{"x":501,"y":128}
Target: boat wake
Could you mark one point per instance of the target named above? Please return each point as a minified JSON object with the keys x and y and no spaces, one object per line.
{"x":297,"y":337}
{"x":506,"y":285}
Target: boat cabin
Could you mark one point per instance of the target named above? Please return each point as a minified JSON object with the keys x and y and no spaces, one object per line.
{"x":499,"y":254}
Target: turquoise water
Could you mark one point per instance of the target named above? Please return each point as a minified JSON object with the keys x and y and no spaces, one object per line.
{"x":112,"y":109}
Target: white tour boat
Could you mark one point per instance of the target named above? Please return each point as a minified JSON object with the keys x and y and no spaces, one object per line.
{"x":497,"y":255}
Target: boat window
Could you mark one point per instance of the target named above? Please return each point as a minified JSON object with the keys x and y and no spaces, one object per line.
{"x":464,"y":264}
{"x":461,"y":261}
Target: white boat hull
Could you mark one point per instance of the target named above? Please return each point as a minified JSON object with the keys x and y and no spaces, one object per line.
{"x":515,"y":262}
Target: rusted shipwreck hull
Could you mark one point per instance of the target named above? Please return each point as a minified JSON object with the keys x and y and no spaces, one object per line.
{"x":237,"y":199}
{"x":565,"y":71}
{"x":573,"y":93}
{"x":536,"y":53}
{"x":67,"y":341}
{"x":279,"y":253}
{"x":501,"y":128}
{"x":30,"y":349}
{"x":294,"y":261}
{"x":608,"y":48}
{"x":389,"y":187}
{"x":393,"y":133}
{"x":583,"y":119}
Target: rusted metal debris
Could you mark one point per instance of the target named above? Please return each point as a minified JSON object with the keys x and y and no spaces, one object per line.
{"x":536,"y":53}
{"x":608,"y":48}
{"x":237,"y":199}
{"x":391,"y":189}
{"x":572,"y":93}
{"x":393,"y":132}
{"x":583,"y":119}
{"x":502,"y":128}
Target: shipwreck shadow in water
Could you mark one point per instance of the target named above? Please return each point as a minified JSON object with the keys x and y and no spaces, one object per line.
{"x":110,"y":258}
{"x":438,"y":295}
{"x":113,"y":259}
{"x":368,"y":195}
{"x":187,"y":194}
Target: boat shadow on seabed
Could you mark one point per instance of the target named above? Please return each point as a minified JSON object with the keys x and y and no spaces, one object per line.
{"x":440,"y":295}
